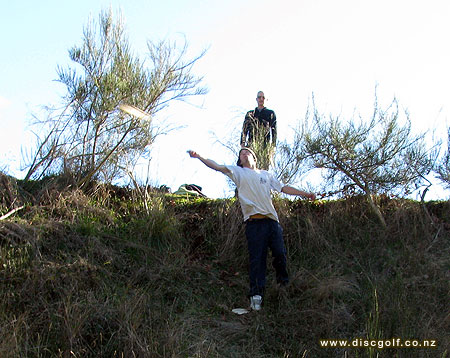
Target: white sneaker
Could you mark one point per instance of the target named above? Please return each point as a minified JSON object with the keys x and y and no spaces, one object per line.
{"x":255,"y":302}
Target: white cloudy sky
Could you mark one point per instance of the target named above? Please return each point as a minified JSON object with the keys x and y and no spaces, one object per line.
{"x":338,"y":50}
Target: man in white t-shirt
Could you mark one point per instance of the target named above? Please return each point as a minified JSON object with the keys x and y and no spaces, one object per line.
{"x":263,"y":230}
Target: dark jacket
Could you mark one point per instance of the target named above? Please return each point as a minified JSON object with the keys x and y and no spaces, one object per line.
{"x":255,"y":120}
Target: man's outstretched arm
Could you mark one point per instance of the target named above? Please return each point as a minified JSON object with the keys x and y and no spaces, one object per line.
{"x":293,"y":191}
{"x":209,"y":163}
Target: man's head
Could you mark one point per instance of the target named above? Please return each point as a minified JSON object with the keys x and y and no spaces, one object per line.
{"x":260,"y":99}
{"x":247,"y":158}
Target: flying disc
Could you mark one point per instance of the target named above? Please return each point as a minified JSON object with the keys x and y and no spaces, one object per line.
{"x":135,"y":112}
{"x":240,"y":311}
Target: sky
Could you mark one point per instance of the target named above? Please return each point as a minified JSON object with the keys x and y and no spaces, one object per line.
{"x":340,"y":51}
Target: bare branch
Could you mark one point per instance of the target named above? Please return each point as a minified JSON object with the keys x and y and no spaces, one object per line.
{"x":12,"y":212}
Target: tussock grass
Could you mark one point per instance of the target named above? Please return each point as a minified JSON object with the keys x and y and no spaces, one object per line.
{"x":98,"y":276}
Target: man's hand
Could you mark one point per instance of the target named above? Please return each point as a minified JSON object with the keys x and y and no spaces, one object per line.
{"x":208,"y":162}
{"x":193,"y":154}
{"x":294,"y":191}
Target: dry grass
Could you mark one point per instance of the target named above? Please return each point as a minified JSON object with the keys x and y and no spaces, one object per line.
{"x":97,"y":276}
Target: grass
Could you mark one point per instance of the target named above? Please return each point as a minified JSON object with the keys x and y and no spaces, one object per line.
{"x":98,"y":276}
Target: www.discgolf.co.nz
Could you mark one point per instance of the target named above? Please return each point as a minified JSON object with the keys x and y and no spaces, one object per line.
{"x":378,"y":343}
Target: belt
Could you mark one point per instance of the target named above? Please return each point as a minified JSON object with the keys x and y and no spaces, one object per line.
{"x":257,"y":217}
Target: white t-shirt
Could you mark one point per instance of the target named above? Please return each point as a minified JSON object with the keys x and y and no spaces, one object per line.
{"x":254,"y":188}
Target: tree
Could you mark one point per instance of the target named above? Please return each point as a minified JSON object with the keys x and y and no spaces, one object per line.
{"x":263,"y":148}
{"x":291,"y":160}
{"x":443,"y":167}
{"x":379,"y":156}
{"x":90,"y":138}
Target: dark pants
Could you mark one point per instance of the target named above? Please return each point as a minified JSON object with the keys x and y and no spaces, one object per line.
{"x":261,"y":235}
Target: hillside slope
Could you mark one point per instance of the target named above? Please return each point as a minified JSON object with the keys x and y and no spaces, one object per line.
{"x":105,"y":275}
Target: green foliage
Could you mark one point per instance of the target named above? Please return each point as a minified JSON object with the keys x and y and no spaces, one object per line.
{"x":370,"y":157}
{"x":378,"y":156}
{"x":443,"y":167}
{"x":263,"y":148}
{"x":291,"y":160}
{"x":91,"y":138}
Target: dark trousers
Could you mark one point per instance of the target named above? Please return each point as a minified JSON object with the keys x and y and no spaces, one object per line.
{"x":263,"y":234}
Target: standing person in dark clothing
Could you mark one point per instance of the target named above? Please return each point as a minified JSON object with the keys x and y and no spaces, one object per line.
{"x":261,"y":118}
{"x":263,"y":230}
{"x":259,"y":131}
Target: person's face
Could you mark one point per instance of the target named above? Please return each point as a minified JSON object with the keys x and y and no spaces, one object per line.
{"x":247,"y":158}
{"x":260,"y":98}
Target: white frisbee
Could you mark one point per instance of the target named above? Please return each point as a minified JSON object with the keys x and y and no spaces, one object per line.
{"x":135,"y":112}
{"x":240,"y":311}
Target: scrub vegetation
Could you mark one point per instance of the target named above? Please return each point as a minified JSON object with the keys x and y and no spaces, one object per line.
{"x":88,"y":269}
{"x":100,"y":273}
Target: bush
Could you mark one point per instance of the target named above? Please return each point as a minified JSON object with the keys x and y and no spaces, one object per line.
{"x":99,"y":277}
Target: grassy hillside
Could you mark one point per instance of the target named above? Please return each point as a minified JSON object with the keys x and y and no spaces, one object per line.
{"x":107,"y":275}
